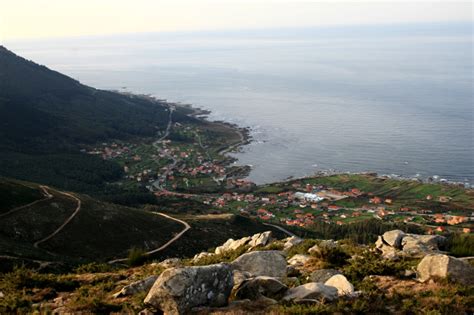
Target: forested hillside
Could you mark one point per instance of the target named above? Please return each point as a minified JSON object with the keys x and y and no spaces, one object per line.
{"x":46,"y":116}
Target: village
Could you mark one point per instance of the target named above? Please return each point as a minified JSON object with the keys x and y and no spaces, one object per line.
{"x":189,"y":168}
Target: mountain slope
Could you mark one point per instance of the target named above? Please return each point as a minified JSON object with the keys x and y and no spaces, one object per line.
{"x":59,"y":226}
{"x":46,"y":116}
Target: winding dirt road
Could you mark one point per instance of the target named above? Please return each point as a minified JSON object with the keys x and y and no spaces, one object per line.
{"x":69,"y":219}
{"x":45,"y":193}
{"x":164,"y":246}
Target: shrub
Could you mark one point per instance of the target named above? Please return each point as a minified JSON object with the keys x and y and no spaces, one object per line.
{"x":136,"y":257}
{"x":332,"y":256}
{"x":371,"y":263}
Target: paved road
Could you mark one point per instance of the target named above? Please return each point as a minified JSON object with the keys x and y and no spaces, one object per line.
{"x":45,"y":193}
{"x":164,"y":246}
{"x":59,"y":229}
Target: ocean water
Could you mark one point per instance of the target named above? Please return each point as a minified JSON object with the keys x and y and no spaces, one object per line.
{"x":391,"y":99}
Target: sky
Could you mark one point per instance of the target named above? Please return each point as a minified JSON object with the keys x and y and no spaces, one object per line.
{"x":36,"y":19}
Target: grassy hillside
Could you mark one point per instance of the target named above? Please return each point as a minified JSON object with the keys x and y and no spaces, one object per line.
{"x":100,"y":231}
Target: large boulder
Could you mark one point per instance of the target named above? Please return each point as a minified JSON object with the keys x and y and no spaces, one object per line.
{"x":178,"y":290}
{"x":137,"y":287}
{"x":340,"y":282}
{"x":421,"y":244}
{"x":260,"y":239}
{"x":311,"y":291}
{"x":257,"y":287}
{"x":393,"y":238}
{"x":323,"y":275}
{"x":439,"y":266}
{"x":269,"y":263}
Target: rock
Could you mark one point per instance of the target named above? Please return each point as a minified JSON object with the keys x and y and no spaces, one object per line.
{"x":389,"y":252}
{"x":299,"y":260}
{"x":178,"y":290}
{"x":415,"y":244}
{"x":257,"y":287}
{"x":260,"y":239}
{"x":136,"y":287}
{"x":170,"y":263}
{"x":379,"y":243}
{"x":269,"y":263}
{"x":239,"y":277}
{"x":231,"y":245}
{"x":343,"y":286}
{"x":146,"y":311}
{"x":292,"y":241}
{"x":312,"y":291}
{"x":393,"y":238}
{"x":435,"y":266}
{"x":324,"y":244}
{"x":323,"y":275}
{"x":201,"y":255}
{"x":291,"y":271}
{"x":2,"y":295}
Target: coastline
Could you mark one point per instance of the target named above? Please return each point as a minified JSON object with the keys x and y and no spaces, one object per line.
{"x":245,"y":138}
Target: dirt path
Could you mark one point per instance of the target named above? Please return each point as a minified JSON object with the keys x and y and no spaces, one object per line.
{"x":45,"y":192}
{"x":164,"y":246}
{"x":59,"y":229}
{"x":280,"y":228}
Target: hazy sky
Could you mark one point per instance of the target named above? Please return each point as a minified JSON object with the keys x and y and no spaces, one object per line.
{"x":52,"y":18}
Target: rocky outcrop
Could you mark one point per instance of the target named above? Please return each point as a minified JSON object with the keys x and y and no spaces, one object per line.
{"x":260,"y":239}
{"x":314,"y":291}
{"x":201,"y":255}
{"x":396,"y":243}
{"x":270,"y":263}
{"x":323,"y":275}
{"x":137,"y":287}
{"x":439,"y":266}
{"x":343,"y":286}
{"x":257,"y":287}
{"x":178,"y":290}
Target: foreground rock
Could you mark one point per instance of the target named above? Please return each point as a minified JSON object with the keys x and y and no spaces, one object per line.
{"x":323,"y":245}
{"x":311,"y":291}
{"x":178,"y":290}
{"x":201,"y":255}
{"x":439,"y":266}
{"x":343,"y":286}
{"x":395,"y":244}
{"x":292,"y":241}
{"x":260,"y":239}
{"x":323,"y":275}
{"x":257,"y":287}
{"x":137,"y":287}
{"x":269,"y":263}
{"x":393,"y":238}
{"x":299,"y":260}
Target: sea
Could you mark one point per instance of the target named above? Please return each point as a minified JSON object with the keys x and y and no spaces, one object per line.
{"x":391,"y":99}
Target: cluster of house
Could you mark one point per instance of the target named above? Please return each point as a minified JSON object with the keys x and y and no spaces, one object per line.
{"x":109,"y":151}
{"x":451,"y":219}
